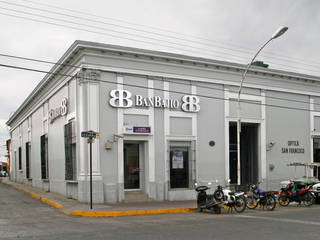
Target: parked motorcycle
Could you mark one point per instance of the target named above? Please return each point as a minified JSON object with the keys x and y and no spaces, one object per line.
{"x":220,"y":197}
{"x":207,"y":201}
{"x":293,"y":193}
{"x":232,"y":200}
{"x":257,"y":196}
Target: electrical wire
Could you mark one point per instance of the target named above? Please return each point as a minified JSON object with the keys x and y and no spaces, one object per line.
{"x":245,"y":50}
{"x":137,"y":40}
{"x":197,"y":85}
{"x":112,"y":35}
{"x":135,"y":35}
{"x":163,"y":90}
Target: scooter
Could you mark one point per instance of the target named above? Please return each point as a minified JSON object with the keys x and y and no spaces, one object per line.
{"x":220,"y":197}
{"x":207,"y":201}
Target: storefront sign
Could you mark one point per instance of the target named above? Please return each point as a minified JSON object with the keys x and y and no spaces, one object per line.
{"x":59,"y":112}
{"x":124,"y":99}
{"x":137,"y":130}
{"x":293,"y":148}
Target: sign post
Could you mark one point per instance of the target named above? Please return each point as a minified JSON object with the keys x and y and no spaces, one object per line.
{"x":90,"y":135}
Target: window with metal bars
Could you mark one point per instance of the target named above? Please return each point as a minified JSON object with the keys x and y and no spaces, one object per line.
{"x":44,"y":156}
{"x":20,"y":158}
{"x":70,"y":151}
{"x":28,"y":156}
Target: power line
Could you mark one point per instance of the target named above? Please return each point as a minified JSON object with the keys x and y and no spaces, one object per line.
{"x":150,"y":38}
{"x":119,"y":32}
{"x":112,"y":35}
{"x":245,"y":50}
{"x":159,"y":89}
{"x":131,"y":39}
{"x":206,"y":87}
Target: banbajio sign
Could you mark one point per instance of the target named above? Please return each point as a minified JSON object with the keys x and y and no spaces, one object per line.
{"x":124,"y":99}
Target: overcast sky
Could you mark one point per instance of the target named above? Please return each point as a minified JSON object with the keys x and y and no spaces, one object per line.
{"x":230,"y":30}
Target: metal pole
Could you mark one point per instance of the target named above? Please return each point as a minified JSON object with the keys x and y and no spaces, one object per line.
{"x":238,"y":113}
{"x":90,"y":142}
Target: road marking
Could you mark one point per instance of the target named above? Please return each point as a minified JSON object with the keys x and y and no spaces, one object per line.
{"x":280,"y":220}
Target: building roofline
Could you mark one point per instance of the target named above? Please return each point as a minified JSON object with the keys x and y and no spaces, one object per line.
{"x":79,"y":44}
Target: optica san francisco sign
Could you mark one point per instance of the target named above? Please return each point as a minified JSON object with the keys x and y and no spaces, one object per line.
{"x":125,"y":99}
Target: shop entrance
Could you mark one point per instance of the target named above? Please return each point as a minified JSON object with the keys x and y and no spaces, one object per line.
{"x":249,"y":159}
{"x":131,"y":166}
{"x":316,"y":156}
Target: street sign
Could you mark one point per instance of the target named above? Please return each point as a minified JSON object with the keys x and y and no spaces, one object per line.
{"x":89,"y":134}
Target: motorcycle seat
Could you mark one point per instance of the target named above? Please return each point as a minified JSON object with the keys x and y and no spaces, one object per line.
{"x":231,"y":193}
{"x":201,"y":188}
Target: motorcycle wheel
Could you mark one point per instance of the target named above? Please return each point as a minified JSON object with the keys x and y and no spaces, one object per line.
{"x":284,"y":201}
{"x":252,"y":202}
{"x":308,"y":199}
{"x":240,"y":204}
{"x":218,"y":195}
{"x":270,"y":202}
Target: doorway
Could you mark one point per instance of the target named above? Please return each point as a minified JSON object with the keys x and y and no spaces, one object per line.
{"x":132,"y":166}
{"x":316,"y":157}
{"x":249,"y":159}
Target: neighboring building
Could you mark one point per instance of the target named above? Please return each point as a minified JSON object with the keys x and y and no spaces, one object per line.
{"x":165,"y":122}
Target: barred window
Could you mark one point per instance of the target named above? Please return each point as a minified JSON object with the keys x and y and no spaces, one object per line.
{"x":20,"y":158}
{"x":44,"y":156}
{"x":70,"y":151}
{"x":28,"y":156}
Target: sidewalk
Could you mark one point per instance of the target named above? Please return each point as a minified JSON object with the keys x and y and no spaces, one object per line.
{"x":73,"y":207}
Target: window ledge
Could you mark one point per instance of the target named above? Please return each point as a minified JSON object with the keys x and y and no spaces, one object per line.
{"x":29,"y":179}
{"x":45,"y":180}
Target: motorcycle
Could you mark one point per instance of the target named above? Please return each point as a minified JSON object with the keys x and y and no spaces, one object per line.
{"x":232,"y":200}
{"x":207,"y":201}
{"x":257,"y":196}
{"x":293,"y":193}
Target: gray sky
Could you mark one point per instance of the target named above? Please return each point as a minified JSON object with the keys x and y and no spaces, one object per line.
{"x":229,"y":30}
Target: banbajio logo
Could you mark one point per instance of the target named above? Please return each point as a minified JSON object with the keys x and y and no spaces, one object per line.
{"x":123,"y":99}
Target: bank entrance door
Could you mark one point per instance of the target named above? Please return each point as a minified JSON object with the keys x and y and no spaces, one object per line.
{"x":131,"y":166}
{"x":249,"y":159}
{"x":316,"y":156}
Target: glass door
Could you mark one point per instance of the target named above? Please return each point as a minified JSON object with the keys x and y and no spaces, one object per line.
{"x":131,"y":166}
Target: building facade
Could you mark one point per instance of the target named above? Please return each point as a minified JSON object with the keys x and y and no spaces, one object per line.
{"x":165,"y":121}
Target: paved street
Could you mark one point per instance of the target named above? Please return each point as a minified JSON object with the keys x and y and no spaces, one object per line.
{"x":23,"y":217}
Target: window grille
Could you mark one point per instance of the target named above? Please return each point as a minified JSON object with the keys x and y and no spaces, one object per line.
{"x":20,"y":158}
{"x":28,"y":153}
{"x":44,"y":156}
{"x":70,"y":151}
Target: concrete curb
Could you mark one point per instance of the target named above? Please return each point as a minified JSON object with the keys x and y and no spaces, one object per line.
{"x":102,"y":214}
{"x":131,"y":213}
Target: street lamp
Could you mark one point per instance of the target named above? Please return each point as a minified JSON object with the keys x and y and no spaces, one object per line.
{"x":278,"y":33}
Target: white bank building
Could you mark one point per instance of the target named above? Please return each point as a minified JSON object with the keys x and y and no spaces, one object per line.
{"x":165,"y":122}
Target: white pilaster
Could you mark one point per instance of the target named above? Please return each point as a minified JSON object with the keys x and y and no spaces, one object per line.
{"x":120,"y":140}
{"x":151,"y":146}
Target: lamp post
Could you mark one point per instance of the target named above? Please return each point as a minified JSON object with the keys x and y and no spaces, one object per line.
{"x":278,"y":33}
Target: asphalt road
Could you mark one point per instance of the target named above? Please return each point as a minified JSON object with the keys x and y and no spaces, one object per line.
{"x":23,"y":217}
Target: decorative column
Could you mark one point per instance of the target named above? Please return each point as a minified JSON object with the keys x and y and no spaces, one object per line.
{"x":88,"y":119}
